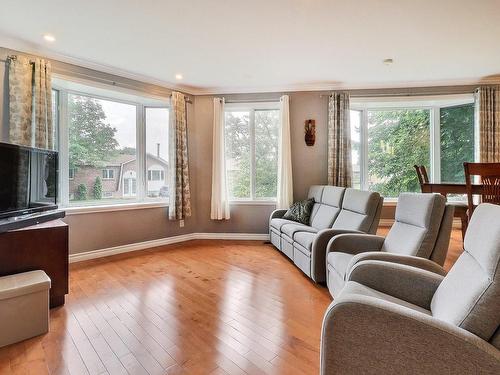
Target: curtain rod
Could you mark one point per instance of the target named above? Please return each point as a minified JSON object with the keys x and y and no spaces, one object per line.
{"x":377,"y":95}
{"x":252,"y":100}
{"x":110,"y":81}
{"x":98,"y":79}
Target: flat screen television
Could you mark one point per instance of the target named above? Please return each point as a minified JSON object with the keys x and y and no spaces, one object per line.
{"x":28,"y":180}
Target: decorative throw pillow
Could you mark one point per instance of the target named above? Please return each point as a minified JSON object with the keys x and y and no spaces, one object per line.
{"x":300,"y":211}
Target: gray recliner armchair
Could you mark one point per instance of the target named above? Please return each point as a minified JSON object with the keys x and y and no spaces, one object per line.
{"x":392,"y":318}
{"x":421,"y":231}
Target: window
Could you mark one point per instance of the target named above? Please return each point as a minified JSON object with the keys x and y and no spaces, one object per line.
{"x":397,"y":140}
{"x":108,"y":174}
{"x":157,"y":152}
{"x":356,"y":148}
{"x":251,"y":137}
{"x":105,"y":144}
{"x":389,"y":136}
{"x":457,"y":141}
{"x":156,"y":175}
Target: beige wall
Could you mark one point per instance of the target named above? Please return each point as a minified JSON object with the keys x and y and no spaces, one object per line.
{"x":101,"y":230}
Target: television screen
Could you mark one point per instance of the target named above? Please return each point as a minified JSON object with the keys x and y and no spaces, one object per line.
{"x":28,"y":180}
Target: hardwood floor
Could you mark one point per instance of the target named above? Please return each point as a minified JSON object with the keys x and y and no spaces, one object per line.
{"x":201,"y":307}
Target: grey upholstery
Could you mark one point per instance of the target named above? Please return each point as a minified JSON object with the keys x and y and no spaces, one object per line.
{"x":421,"y":229}
{"x":469,"y":296}
{"x":392,"y":318}
{"x":336,"y":210}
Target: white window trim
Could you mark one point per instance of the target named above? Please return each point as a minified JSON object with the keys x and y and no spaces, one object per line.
{"x":252,"y":107}
{"x":64,"y":86}
{"x":107,"y":173}
{"x":78,"y":210}
{"x":431,"y":103}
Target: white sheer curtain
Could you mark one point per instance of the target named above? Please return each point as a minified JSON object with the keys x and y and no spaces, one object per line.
{"x":285,"y":183}
{"x":220,"y":196}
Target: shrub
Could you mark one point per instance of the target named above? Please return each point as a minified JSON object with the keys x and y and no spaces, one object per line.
{"x":82,"y":192}
{"x":98,"y":188}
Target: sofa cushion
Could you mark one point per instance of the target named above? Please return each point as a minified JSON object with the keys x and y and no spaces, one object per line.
{"x":291,"y":229}
{"x":339,"y":262}
{"x":305,"y":239}
{"x":316,"y":192}
{"x":358,"y":210}
{"x":326,"y":209}
{"x":300,"y":211}
{"x":469,"y":295}
{"x":277,"y":223}
{"x":354,"y":288}
{"x":333,"y":196}
{"x":416,"y":227}
{"x":325,"y":216}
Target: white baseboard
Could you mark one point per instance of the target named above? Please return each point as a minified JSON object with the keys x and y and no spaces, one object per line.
{"x":94,"y":254}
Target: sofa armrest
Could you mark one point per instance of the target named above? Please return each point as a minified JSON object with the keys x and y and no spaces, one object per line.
{"x":318,"y":251}
{"x":365,"y":335}
{"x":355,"y":243}
{"x":422,"y":263}
{"x":277,"y":214}
{"x":408,"y":283}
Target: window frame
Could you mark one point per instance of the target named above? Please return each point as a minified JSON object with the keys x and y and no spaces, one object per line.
{"x":65,"y":86}
{"x":106,"y":171}
{"x":432,"y":103}
{"x":251,"y":107}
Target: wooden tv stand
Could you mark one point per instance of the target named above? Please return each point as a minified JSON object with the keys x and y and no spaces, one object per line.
{"x":39,"y":247}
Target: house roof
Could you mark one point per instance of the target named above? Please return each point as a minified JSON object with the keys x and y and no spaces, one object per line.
{"x":122,"y":159}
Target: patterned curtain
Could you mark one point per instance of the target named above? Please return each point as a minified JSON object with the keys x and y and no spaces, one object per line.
{"x":339,"y":140}
{"x":180,"y":195}
{"x":30,"y":102}
{"x":488,"y":110}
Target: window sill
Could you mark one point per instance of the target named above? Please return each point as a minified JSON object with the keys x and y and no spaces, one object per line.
{"x":390,"y":202}
{"x":79,"y":210}
{"x":252,"y":203}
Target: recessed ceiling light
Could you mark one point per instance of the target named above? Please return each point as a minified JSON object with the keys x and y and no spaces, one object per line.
{"x":49,"y":38}
{"x":178,"y":76}
{"x":388,"y":61}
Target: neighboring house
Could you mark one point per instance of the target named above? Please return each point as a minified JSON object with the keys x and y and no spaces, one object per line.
{"x":119,"y":177}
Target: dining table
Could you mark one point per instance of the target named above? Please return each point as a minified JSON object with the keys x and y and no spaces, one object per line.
{"x":446,"y":188}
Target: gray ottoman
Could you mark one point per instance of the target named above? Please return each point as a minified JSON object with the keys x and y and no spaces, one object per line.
{"x":24,"y":306}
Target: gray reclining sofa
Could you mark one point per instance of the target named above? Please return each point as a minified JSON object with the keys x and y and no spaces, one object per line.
{"x":336,"y":210}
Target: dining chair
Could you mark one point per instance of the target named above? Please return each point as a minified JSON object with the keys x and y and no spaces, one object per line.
{"x":460,"y":208}
{"x":489,"y":179}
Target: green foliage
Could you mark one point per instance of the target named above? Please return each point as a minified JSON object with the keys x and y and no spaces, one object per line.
{"x":81,"y":192}
{"x":238,"y":153}
{"x":266,"y":153}
{"x":91,"y":140}
{"x":237,"y":136}
{"x":399,"y":139}
{"x":98,"y":188}
{"x":457,"y":141}
{"x":396,"y":141}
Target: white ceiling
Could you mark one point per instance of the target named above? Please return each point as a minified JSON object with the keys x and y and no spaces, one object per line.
{"x":227,"y":46}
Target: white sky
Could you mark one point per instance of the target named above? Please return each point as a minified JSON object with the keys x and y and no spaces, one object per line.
{"x":123,"y":118}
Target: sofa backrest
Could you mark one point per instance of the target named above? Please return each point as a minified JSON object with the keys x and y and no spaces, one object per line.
{"x":360,"y":211}
{"x":417,"y":224}
{"x":469,"y":295}
{"x":328,"y":201}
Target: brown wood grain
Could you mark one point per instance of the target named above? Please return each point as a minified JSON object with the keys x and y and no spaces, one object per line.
{"x":39,"y":247}
{"x":201,"y":307}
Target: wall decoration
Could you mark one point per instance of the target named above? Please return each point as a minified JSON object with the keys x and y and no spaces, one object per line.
{"x":310,"y":132}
